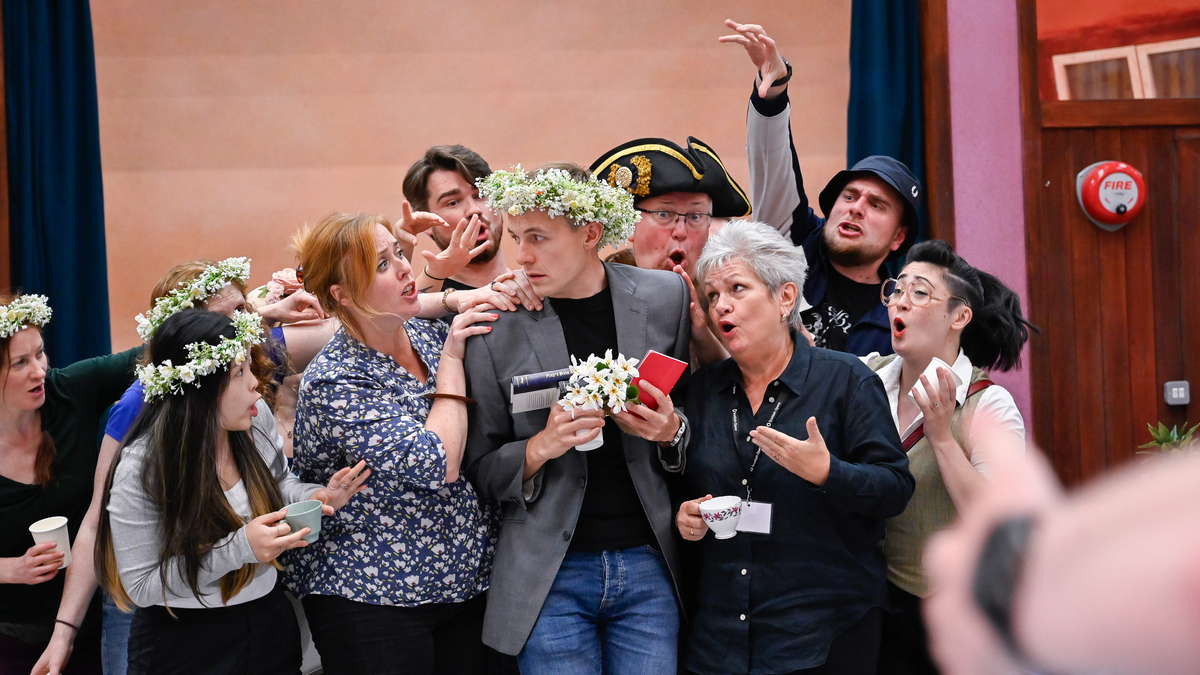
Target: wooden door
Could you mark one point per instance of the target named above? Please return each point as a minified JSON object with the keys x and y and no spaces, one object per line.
{"x":1119,"y":312}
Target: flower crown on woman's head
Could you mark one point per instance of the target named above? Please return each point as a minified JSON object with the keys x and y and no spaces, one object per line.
{"x":558,"y":194}
{"x":24,"y":310}
{"x":209,"y":283}
{"x":204,"y":359}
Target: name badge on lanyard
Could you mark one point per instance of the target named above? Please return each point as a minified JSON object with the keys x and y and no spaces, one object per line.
{"x":756,"y":516}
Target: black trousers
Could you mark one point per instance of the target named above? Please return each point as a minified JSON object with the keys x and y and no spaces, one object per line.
{"x":904,"y":646}
{"x":260,"y":636}
{"x":434,"y":639}
{"x":853,"y":652}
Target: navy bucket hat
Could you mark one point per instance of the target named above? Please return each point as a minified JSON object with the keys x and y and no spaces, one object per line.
{"x":894,"y":173}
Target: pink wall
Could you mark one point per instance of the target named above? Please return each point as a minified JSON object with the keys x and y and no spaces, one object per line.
{"x":985,"y":114}
{"x":227,"y":124}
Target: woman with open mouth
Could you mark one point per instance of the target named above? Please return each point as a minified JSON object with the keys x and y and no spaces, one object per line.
{"x":48,"y":449}
{"x":940,"y":308}
{"x":803,"y":436}
{"x":193,"y":513}
{"x":396,"y":583}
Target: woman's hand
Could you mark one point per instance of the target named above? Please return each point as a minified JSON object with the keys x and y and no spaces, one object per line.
{"x":481,"y":300}
{"x":458,"y":253}
{"x":297,"y":307}
{"x":658,"y":425}
{"x":463,"y":327}
{"x":807,"y":459}
{"x":689,"y":521}
{"x":54,"y":659}
{"x":344,"y":485}
{"x":938,"y":409}
{"x":705,"y":346}
{"x":516,"y":283}
{"x":762,"y":51}
{"x":269,"y":535}
{"x":39,"y":564}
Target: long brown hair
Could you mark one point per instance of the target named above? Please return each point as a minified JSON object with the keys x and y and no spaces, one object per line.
{"x":45,"y":464}
{"x":179,"y":474}
{"x":261,"y":365}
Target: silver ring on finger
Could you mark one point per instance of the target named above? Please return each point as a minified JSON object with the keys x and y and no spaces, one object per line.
{"x":344,"y":486}
{"x":493,"y":286}
{"x":692,"y":530}
{"x":935,"y":404}
{"x":276,"y":531}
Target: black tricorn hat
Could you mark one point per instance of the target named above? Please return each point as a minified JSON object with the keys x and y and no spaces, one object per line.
{"x":649,"y":167}
{"x":896,"y":174}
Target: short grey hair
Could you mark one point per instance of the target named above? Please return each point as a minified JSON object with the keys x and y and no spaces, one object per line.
{"x":761,"y":248}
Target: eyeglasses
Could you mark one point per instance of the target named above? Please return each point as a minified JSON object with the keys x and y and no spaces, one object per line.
{"x":920,"y":293}
{"x":694,"y":221}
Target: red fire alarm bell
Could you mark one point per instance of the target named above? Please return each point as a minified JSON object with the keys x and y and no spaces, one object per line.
{"x":1111,"y":193}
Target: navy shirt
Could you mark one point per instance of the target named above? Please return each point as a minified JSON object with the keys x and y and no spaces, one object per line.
{"x":773,"y":603}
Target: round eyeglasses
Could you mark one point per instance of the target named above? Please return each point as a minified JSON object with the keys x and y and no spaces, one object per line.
{"x":920,"y":293}
{"x":694,"y":221}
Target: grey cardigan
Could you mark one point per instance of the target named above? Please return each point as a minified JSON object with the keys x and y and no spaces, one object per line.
{"x":651,"y":311}
{"x":135,"y":523}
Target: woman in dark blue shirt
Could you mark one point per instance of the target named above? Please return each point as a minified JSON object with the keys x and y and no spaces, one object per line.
{"x":806,"y":436}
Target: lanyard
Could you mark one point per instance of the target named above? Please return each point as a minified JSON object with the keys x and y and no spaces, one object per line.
{"x":779,"y":398}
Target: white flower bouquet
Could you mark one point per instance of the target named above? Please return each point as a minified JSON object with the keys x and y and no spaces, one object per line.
{"x":600,"y":384}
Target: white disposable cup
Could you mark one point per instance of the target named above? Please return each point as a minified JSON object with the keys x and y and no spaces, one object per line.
{"x":53,"y":529}
{"x":592,"y":444}
{"x":722,"y":514}
{"x":931,"y":374}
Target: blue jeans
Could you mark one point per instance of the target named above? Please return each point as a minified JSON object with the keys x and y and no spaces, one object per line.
{"x":607,"y":612}
{"x":114,"y":638}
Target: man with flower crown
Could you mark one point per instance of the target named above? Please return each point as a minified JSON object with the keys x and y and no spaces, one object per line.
{"x":586,"y":571}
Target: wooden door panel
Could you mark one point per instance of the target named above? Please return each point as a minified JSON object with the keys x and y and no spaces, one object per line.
{"x":1119,"y":311}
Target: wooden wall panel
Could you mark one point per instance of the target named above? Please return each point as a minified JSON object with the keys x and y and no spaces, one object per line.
{"x":1188,"y":161}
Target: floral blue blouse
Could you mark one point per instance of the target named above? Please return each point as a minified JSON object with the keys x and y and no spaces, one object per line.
{"x":407,"y":538}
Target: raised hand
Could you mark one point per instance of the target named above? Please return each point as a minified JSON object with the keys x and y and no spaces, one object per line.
{"x":762,"y":51}
{"x":937,"y":409}
{"x":808,"y":459}
{"x":416,"y":222}
{"x":458,"y":253}
{"x":297,"y":307}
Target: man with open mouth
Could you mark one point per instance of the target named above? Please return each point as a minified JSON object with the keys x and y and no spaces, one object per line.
{"x":679,"y":192}
{"x":870,"y":212}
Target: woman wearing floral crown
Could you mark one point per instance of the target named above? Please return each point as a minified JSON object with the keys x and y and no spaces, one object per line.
{"x":48,"y":449}
{"x":218,"y":286}
{"x":193,"y":511}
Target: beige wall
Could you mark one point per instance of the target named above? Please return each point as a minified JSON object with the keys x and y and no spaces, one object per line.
{"x":227,"y":124}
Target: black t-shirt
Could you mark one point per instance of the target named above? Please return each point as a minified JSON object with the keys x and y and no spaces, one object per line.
{"x":845,"y":302}
{"x":611,"y":517}
{"x":76,"y":397}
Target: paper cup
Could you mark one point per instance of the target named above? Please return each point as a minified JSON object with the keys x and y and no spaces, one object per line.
{"x":931,"y":374}
{"x":53,"y":529}
{"x":305,"y":514}
{"x":721,"y":514}
{"x":592,"y":444}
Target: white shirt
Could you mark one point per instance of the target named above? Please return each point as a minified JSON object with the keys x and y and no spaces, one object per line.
{"x":994,"y":401}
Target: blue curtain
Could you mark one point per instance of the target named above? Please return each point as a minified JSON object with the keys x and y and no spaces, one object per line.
{"x":56,"y":199}
{"x":885,"y":114}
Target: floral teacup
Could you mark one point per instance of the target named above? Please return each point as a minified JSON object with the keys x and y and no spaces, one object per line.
{"x":721,"y":514}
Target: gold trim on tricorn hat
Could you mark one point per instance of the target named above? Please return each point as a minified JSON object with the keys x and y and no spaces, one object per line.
{"x":648,"y":167}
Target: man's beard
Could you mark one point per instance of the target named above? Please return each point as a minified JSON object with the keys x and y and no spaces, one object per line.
{"x":850,"y":256}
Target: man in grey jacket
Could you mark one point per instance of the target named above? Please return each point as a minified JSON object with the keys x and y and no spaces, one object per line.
{"x":586,"y":571}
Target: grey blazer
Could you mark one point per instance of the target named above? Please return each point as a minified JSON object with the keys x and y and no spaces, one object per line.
{"x":651,"y":310}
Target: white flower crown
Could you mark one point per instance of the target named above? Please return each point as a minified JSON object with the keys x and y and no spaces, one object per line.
{"x":205,"y":359}
{"x":557,"y":193}
{"x":209,"y":283}
{"x":24,"y":310}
